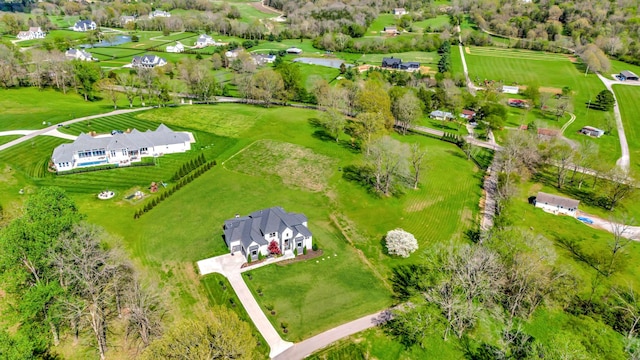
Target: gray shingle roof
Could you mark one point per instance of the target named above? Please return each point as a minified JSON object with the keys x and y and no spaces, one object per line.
{"x":252,"y":228}
{"x":134,"y":140}
{"x":555,"y":200}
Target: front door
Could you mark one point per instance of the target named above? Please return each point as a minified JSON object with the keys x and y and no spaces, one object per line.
{"x":287,"y":245}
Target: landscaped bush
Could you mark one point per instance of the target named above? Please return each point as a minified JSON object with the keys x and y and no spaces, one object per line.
{"x":400,"y":242}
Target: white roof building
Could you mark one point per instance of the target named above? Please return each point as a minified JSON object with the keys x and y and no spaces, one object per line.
{"x":121,"y":149}
{"x":159,"y":13}
{"x":34,"y":32}
{"x":84,"y":25}
{"x":148,"y":61}
{"x":177,"y":48}
{"x":79,"y":54}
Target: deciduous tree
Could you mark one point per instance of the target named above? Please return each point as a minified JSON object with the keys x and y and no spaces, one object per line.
{"x":401,"y":243}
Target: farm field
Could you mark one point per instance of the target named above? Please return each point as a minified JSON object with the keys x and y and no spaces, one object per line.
{"x":159,"y":243}
{"x":380,"y":22}
{"x":435,"y":23}
{"x":627,"y":97}
{"x":512,"y":66}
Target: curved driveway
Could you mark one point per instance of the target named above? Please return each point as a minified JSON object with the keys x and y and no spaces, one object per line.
{"x":624,"y":161}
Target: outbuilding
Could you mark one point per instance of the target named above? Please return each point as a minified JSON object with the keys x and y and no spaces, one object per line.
{"x":510,"y":89}
{"x":556,"y":204}
{"x":591,"y":131}
{"x":627,"y":75}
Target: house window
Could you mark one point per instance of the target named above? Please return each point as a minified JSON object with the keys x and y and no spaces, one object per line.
{"x":254,"y":253}
{"x":272,"y":234}
{"x":113,"y":153}
{"x":124,"y":152}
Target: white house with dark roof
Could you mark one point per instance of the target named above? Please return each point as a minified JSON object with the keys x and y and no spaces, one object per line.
{"x":204,"y":40}
{"x":159,"y":13}
{"x":121,"y":149}
{"x":34,"y":32}
{"x":79,"y":54}
{"x":125,"y":19}
{"x":84,"y":25}
{"x":556,"y":204}
{"x":148,"y":61}
{"x":251,"y":235}
{"x":399,"y":11}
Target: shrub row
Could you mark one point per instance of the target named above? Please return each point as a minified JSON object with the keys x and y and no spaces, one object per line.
{"x":165,"y":194}
{"x":452,"y":138}
{"x":102,"y":167}
{"x":188,"y":167}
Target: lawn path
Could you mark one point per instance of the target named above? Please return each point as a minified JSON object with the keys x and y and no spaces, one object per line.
{"x":52,"y":130}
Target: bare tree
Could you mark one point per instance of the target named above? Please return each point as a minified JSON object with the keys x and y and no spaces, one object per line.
{"x":629,"y":303}
{"x":108,"y":86}
{"x":620,"y":185}
{"x":90,"y":274}
{"x":622,"y":236}
{"x":388,"y":159}
{"x":417,"y":162}
{"x":128,"y":84}
{"x":406,"y":109}
{"x":562,"y":156}
{"x":145,"y":313}
{"x":334,"y":122}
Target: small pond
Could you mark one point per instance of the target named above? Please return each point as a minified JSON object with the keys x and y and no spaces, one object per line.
{"x":114,"y":41}
{"x":334,"y":63}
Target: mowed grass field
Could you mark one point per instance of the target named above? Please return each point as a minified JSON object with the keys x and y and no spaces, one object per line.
{"x":522,"y":67}
{"x":187,"y":227}
{"x":28,"y":108}
{"x":628,"y":97}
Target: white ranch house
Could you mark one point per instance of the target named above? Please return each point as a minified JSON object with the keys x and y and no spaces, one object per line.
{"x":34,"y":32}
{"x":159,"y":13}
{"x":177,"y":48}
{"x":79,"y":54}
{"x":119,"y":148}
{"x":556,"y":204}
{"x":205,"y":40}
{"x":250,"y":235}
{"x":84,"y":25}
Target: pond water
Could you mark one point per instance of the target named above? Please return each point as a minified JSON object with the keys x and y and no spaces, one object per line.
{"x":114,"y":41}
{"x":334,"y":63}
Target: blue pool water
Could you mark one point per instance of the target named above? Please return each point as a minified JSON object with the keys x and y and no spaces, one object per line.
{"x":91,"y":163}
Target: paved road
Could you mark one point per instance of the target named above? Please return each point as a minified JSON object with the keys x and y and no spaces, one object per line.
{"x":52,"y":130}
{"x":624,"y":161}
{"x":311,"y":345}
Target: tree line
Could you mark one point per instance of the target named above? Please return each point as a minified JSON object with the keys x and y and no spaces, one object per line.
{"x":64,"y":280}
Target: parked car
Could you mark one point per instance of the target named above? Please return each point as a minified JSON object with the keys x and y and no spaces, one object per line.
{"x":585,"y":220}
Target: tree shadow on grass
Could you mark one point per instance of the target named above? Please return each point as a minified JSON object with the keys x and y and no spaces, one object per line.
{"x":315,"y":122}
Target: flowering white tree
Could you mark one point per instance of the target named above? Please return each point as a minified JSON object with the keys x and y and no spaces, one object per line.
{"x":400,"y":242}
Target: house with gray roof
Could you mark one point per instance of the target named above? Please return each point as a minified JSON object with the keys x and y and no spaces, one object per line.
{"x":119,"y":148}
{"x":79,"y":54}
{"x":148,"y":61}
{"x":556,"y":204}
{"x":251,"y":235}
{"x":84,"y":25}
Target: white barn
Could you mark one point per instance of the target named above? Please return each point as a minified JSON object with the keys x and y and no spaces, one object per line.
{"x":251,"y":235}
{"x":121,"y":149}
{"x":177,"y":48}
{"x":556,"y":204}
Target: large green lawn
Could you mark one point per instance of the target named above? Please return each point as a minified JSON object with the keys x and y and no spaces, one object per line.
{"x":28,"y":108}
{"x":522,"y":67}
{"x":187,"y":226}
{"x":627,"y":97}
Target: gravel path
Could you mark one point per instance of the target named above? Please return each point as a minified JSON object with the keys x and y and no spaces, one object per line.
{"x":624,"y":161}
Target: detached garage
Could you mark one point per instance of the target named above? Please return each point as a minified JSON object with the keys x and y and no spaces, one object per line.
{"x":627,"y":75}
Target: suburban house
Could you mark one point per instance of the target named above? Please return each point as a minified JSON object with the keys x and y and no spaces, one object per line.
{"x":468,"y":114}
{"x":510,"y":89}
{"x":556,"y":204}
{"x":395,"y":63}
{"x":591,"y":131}
{"x":250,"y":235}
{"x":518,"y":103}
{"x":441,"y":115}
{"x":119,"y":148}
{"x":261,"y":59}
{"x":294,"y":50}
{"x":177,"y":48}
{"x":399,"y":11}
{"x":34,"y":32}
{"x":627,"y":75}
{"x":125,"y":19}
{"x":547,"y":134}
{"x":391,"y":63}
{"x":233,"y":54}
{"x":205,"y":40}
{"x":79,"y":54}
{"x":159,"y":13}
{"x":148,"y":61}
{"x":390,"y":30}
{"x":84,"y":25}
{"x":410,"y":66}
